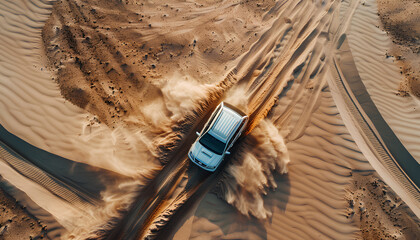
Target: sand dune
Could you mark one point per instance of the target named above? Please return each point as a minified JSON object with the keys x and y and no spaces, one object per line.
{"x":328,"y":129}
{"x":126,"y":81}
{"x":382,"y":77}
{"x":32,"y":108}
{"x":310,"y":201}
{"x":141,"y":50}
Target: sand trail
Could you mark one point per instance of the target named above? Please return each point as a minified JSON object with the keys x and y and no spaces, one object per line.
{"x":271,"y":85}
{"x":279,"y":159}
{"x":350,"y":158}
{"x":257,"y":207}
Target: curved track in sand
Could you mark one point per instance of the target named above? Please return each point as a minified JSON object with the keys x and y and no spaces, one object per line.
{"x":381,"y":76}
{"x":373,"y":135}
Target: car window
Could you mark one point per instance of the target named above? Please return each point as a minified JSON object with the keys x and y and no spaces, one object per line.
{"x":212,"y":143}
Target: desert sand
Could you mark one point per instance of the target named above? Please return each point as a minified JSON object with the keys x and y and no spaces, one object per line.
{"x":100,"y":101}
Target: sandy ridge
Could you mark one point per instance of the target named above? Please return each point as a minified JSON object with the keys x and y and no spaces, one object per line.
{"x":372,"y":145}
{"x":309,"y":202}
{"x":382,"y":77}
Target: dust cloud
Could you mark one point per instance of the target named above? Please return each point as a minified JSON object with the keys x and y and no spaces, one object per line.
{"x":260,"y":156}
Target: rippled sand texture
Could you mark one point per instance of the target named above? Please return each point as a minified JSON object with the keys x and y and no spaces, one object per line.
{"x":32,"y":108}
{"x":293,"y":55}
{"x":318,"y":143}
{"x":40,"y":116}
{"x":310,"y":200}
{"x":125,"y":82}
{"x":31,"y":104}
{"x":382,"y":77}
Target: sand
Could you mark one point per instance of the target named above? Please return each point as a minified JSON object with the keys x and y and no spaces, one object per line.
{"x":15,"y":222}
{"x":382,"y":78}
{"x":400,"y":21}
{"x":379,"y":212}
{"x":120,"y":86}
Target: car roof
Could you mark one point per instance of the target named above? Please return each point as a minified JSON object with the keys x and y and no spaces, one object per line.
{"x":225,"y":124}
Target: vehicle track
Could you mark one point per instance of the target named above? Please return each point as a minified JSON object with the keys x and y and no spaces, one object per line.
{"x":261,"y":93}
{"x":140,"y":216}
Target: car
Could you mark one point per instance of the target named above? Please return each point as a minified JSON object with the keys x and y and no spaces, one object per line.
{"x":217,"y":137}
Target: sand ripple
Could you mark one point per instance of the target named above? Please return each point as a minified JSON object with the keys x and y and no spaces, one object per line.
{"x":280,"y":60}
{"x":382,"y":77}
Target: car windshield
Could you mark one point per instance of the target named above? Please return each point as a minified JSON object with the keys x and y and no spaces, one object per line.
{"x":212,"y":143}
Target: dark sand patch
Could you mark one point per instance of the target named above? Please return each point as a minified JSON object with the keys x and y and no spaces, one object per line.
{"x":110,"y":57}
{"x":401,"y":20}
{"x":16,"y":223}
{"x":380,"y":213}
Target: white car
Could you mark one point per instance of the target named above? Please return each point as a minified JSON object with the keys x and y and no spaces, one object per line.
{"x":219,"y":134}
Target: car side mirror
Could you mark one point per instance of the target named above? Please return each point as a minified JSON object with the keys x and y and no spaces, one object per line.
{"x":227,"y":152}
{"x":198,"y":134}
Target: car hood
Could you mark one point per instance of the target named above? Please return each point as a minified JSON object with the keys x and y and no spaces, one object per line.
{"x":204,"y":155}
